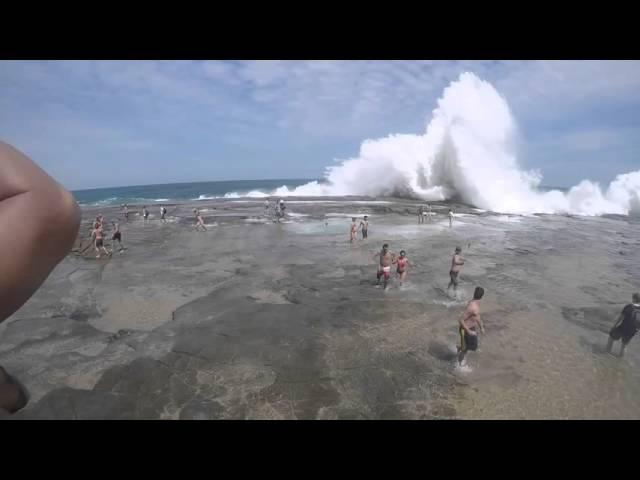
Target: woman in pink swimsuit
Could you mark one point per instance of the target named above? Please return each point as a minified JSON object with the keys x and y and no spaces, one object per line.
{"x":403,"y":265}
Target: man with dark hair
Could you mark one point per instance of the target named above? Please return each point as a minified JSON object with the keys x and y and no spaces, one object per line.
{"x":469,"y":323}
{"x":384,"y":267}
{"x":364,"y":225}
{"x":627,"y":325}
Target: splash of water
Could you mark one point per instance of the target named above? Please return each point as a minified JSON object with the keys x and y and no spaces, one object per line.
{"x":467,"y":153}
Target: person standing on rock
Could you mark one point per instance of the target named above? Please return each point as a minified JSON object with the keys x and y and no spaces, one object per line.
{"x":403,"y":266}
{"x":364,"y":225}
{"x":626,"y":326}
{"x":457,"y":261}
{"x":353,"y":230}
{"x":25,"y":191}
{"x":384,"y":266}
{"x":117,"y":236}
{"x":199,"y":221}
{"x":99,"y":242}
{"x":469,"y":323}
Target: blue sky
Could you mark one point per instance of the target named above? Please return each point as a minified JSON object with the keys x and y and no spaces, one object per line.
{"x":110,"y":123}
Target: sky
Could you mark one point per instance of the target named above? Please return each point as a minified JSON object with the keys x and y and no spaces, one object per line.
{"x":113,"y":123}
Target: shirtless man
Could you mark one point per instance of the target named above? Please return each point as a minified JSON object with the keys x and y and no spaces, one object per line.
{"x":364,"y":225}
{"x":450,"y":217}
{"x":627,"y":325}
{"x":126,"y":212}
{"x":403,"y":265}
{"x":199,"y":220}
{"x":145,"y":213}
{"x":353,"y":232}
{"x":469,"y":323}
{"x":99,"y":242}
{"x":457,"y":261}
{"x":384,"y":267}
{"x":117,"y":236}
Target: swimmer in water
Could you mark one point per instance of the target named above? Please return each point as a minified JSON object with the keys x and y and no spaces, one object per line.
{"x":456,"y":265}
{"x":403,"y":265}
{"x":627,"y":325}
{"x":353,"y":235}
{"x":450,"y":218}
{"x":469,"y":323}
{"x":199,"y":220}
{"x":364,"y":225}
{"x":384,"y":267}
{"x":116,"y":237}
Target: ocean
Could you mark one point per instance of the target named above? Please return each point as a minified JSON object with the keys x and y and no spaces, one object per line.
{"x":179,"y":192}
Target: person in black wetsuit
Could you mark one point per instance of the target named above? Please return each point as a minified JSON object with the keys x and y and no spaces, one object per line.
{"x":627,"y":325}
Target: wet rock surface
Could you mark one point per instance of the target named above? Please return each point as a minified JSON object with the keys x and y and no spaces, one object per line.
{"x":254,"y":319}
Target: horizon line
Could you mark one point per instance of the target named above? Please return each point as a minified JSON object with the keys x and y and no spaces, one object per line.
{"x":200,"y":181}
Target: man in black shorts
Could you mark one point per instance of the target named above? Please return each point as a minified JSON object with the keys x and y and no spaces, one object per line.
{"x":627,"y":325}
{"x":116,"y":237}
{"x":469,"y":323}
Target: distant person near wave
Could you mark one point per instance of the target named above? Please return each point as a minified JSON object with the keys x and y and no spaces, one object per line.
{"x":125,"y":212}
{"x":457,"y":261}
{"x":199,"y":220}
{"x":420,"y":214}
{"x":450,"y":214}
{"x":384,"y":266}
{"x":266,"y":207}
{"x":283,"y":208}
{"x":163,"y":214}
{"x":627,"y":325}
{"x":428,"y":212}
{"x":145,"y":213}
{"x":364,"y":226}
{"x":469,"y":323}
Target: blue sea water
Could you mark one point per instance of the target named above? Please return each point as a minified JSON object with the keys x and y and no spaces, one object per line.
{"x":177,"y":192}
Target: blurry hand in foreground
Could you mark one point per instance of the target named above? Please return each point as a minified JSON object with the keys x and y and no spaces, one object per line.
{"x":39,"y":222}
